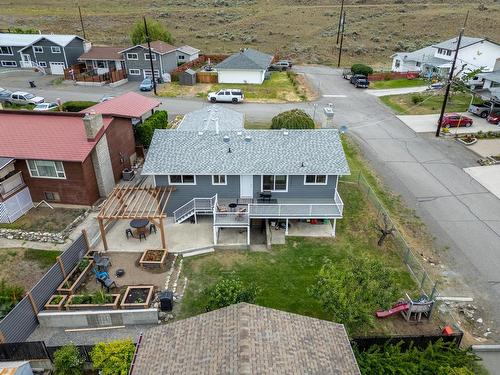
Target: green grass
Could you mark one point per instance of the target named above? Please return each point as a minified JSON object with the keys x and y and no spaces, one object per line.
{"x":398,"y":83}
{"x":45,"y":219}
{"x":18,"y":106}
{"x":44,"y":258}
{"x":257,"y":125}
{"x":427,"y":103}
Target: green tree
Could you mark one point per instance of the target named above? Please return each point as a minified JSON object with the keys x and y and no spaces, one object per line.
{"x":68,"y":360}
{"x":293,"y":119}
{"x":145,"y":131}
{"x":155,"y":29}
{"x":20,"y":30}
{"x":361,"y":69}
{"x":228,"y":291}
{"x":353,"y":289}
{"x":113,"y":357}
{"x":10,"y":295}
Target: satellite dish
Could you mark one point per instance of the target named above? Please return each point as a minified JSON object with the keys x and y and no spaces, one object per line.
{"x":343,"y":129}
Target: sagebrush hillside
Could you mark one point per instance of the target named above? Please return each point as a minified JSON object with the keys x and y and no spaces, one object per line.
{"x":305,"y":30}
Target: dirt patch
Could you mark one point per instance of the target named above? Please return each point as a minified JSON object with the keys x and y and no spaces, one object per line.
{"x":306,"y":89}
{"x":45,"y":219}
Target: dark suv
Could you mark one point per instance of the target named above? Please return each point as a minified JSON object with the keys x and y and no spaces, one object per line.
{"x":355,"y":77}
{"x":361,"y":83}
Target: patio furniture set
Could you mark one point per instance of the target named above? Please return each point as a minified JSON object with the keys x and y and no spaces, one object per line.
{"x":139,"y":229}
{"x":265,"y":197}
{"x":102,"y":264}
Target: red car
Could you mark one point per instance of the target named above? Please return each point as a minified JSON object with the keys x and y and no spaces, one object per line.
{"x":494,"y":118}
{"x":453,"y":120}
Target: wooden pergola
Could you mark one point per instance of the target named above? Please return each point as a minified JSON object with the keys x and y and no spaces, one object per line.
{"x":133,"y":202}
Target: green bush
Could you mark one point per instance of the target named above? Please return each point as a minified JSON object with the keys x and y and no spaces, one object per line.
{"x":417,"y":98}
{"x":361,"y":69}
{"x":293,"y":119}
{"x":68,"y":360}
{"x":156,"y":31}
{"x":77,"y":106}
{"x":145,"y":131}
{"x":113,"y":357}
{"x":9,"y":296}
{"x":228,"y":291}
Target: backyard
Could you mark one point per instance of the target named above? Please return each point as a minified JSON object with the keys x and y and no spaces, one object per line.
{"x":45,"y":219}
{"x":398,"y":83}
{"x":425,"y":103}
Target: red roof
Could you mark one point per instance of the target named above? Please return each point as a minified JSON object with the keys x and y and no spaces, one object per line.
{"x":47,"y":136}
{"x":131,"y":105}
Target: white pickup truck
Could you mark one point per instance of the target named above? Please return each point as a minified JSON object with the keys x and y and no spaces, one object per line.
{"x":226,"y":95}
{"x":483,"y":110}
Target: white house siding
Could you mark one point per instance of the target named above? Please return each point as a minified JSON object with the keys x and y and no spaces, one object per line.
{"x":483,"y":54}
{"x":241,"y":76}
{"x":404,"y":66}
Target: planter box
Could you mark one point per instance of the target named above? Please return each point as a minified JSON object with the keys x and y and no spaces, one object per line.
{"x":146,"y":292}
{"x":92,"y":306}
{"x":153,"y":263}
{"x":58,"y":306}
{"x":462,"y":141}
{"x":71,"y":290}
{"x":90,"y":254}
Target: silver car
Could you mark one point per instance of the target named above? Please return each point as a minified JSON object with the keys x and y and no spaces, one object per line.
{"x":46,"y":107}
{"x":23,"y":98}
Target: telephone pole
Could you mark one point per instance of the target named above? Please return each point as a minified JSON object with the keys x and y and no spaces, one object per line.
{"x":340,"y":20}
{"x":81,"y":22}
{"x":148,"y":39}
{"x":341,"y":39}
{"x":450,"y":78}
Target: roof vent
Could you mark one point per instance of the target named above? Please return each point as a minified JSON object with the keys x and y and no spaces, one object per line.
{"x":285,"y":132}
{"x":226,"y":138}
{"x":302,"y":165}
{"x":239,"y":133}
{"x":200,"y":133}
{"x":229,"y":150}
{"x":248,"y":138}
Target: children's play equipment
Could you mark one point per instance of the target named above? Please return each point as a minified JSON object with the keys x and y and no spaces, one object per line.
{"x":412,"y":310}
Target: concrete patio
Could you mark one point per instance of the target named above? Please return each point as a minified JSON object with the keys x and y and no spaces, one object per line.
{"x":304,"y":229}
{"x":428,"y":124}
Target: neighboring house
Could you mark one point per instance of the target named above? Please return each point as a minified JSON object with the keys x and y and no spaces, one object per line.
{"x":266,"y":174}
{"x":131,"y":105}
{"x":166,"y":58}
{"x":103,"y":59}
{"x":50,"y":53}
{"x":246,"y":66}
{"x":491,"y":87}
{"x":474,"y":53}
{"x":67,"y":158}
{"x":246,"y":339}
{"x":213,"y":117}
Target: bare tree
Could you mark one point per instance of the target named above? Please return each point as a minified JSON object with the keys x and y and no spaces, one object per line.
{"x":386,"y":230}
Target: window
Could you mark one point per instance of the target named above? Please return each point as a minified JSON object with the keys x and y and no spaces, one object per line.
{"x":99,"y":64}
{"x":132,"y":56}
{"x":182,"y":179}
{"x":153,"y":56}
{"x":440,"y":50}
{"x":397,"y":64}
{"x":315,"y":179}
{"x":275,"y":182}
{"x":55,"y":49}
{"x":417,"y":64}
{"x":448,"y":53}
{"x":46,"y":169}
{"x":6,"y":51}
{"x":147,"y":73}
{"x":9,"y":63}
{"x":51,"y":196}
{"x":43,"y":64}
{"x":38,"y":49}
{"x":181,"y":57}
{"x":219,"y":179}
{"x":134,"y":72}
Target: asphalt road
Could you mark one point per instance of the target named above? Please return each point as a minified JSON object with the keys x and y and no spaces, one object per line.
{"x":426,"y":171}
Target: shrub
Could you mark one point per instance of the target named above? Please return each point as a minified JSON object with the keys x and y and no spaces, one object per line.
{"x":113,"y":357}
{"x":361,"y":69}
{"x":417,"y":98}
{"x":77,"y":106}
{"x":156,"y":31}
{"x":9,"y":296}
{"x":228,"y":291}
{"x":145,"y":131}
{"x":293,"y":119}
{"x":68,"y":360}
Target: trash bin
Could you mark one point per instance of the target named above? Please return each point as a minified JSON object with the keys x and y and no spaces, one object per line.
{"x":166,"y":300}
{"x":32,"y":84}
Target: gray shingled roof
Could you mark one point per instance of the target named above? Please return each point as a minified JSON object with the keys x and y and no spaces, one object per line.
{"x":423,"y":55}
{"x":292,"y":152}
{"x":248,"y":59}
{"x":245,"y":339}
{"x":211,"y":117}
{"x":4,"y":161}
{"x":491,"y":76}
{"x":452,"y":43}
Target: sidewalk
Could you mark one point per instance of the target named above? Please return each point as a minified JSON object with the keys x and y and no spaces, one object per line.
{"x":403,"y":90}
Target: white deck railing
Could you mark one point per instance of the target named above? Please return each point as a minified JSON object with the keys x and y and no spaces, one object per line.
{"x":193,"y":206}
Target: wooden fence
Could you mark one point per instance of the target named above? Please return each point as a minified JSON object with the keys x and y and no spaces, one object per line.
{"x":207,"y":77}
{"x":75,"y":74}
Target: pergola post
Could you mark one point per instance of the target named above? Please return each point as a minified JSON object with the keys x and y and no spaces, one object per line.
{"x":103,"y":234}
{"x":162,"y":234}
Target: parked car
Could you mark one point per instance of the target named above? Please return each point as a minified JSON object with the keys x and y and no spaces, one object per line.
{"x":4,"y":95}
{"x":46,"y":107}
{"x":355,"y":77}
{"x":226,"y":95}
{"x":362,"y":83}
{"x":436,"y":86}
{"x":146,"y":85}
{"x":23,"y":98}
{"x":105,"y":98}
{"x":347,"y":74}
{"x":281,"y":65}
{"x":494,"y":118}
{"x":453,"y":120}
{"x":208,"y":68}
{"x":475,"y":82}
{"x":484,"y":109}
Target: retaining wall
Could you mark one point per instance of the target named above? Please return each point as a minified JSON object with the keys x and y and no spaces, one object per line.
{"x":96,"y":319}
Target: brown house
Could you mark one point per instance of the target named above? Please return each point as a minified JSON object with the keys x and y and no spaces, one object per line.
{"x":71,"y":158}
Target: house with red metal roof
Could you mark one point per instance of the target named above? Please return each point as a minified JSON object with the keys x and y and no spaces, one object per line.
{"x":71,"y":158}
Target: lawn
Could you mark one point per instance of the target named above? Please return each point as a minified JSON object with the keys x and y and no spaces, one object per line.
{"x":398,"y":83}
{"x":174,"y":89}
{"x":45,"y":219}
{"x":425,"y":103}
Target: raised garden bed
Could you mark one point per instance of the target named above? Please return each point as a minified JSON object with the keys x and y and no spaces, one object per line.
{"x":56,"y":302}
{"x":467,"y":140}
{"x":75,"y":277}
{"x":153,"y":258}
{"x":137,"y":297}
{"x":90,"y":254}
{"x":97,"y":301}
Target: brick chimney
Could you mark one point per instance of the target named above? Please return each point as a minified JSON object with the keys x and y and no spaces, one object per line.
{"x":93,"y":124}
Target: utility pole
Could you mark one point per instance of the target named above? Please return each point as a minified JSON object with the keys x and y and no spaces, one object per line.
{"x":81,"y":22}
{"x":450,"y":78}
{"x":340,"y":20}
{"x":150,"y":55}
{"x":341,"y":39}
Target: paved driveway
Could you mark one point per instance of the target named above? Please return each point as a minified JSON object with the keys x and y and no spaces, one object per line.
{"x":427,"y":124}
{"x":488,"y":176}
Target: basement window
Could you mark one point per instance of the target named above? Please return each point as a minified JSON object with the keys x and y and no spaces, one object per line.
{"x":315,"y":179}
{"x":51,"y":196}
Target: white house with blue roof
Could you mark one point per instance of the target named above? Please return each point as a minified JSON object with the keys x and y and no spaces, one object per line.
{"x":239,"y":176}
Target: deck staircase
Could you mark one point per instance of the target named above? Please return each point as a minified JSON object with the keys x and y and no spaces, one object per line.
{"x":198,"y":206}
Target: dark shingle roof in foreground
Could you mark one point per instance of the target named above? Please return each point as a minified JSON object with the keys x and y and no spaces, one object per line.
{"x":247,"y":59}
{"x":246,"y":152}
{"x":245,"y":339}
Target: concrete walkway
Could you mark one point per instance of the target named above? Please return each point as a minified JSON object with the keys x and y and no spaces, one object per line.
{"x":486,"y":147}
{"x":428,"y":124}
{"x":488,"y":176}
{"x":402,"y":90}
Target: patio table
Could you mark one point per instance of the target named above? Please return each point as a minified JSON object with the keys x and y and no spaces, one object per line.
{"x":140,"y":225}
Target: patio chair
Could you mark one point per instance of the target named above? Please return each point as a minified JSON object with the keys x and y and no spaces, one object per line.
{"x":107,"y":283}
{"x":99,"y":274}
{"x":128,"y":232}
{"x":142,"y":235}
{"x":101,"y":261}
{"x":222,"y":208}
{"x":152,"y":228}
{"x":240,"y":214}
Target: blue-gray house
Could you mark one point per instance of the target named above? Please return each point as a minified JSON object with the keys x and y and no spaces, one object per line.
{"x":243,"y":175}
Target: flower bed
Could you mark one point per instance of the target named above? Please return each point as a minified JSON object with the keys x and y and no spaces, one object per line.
{"x":153,"y":258}
{"x":56,"y":302}
{"x":96,"y":301}
{"x":137,"y":297}
{"x":75,"y":277}
{"x":467,"y":140}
